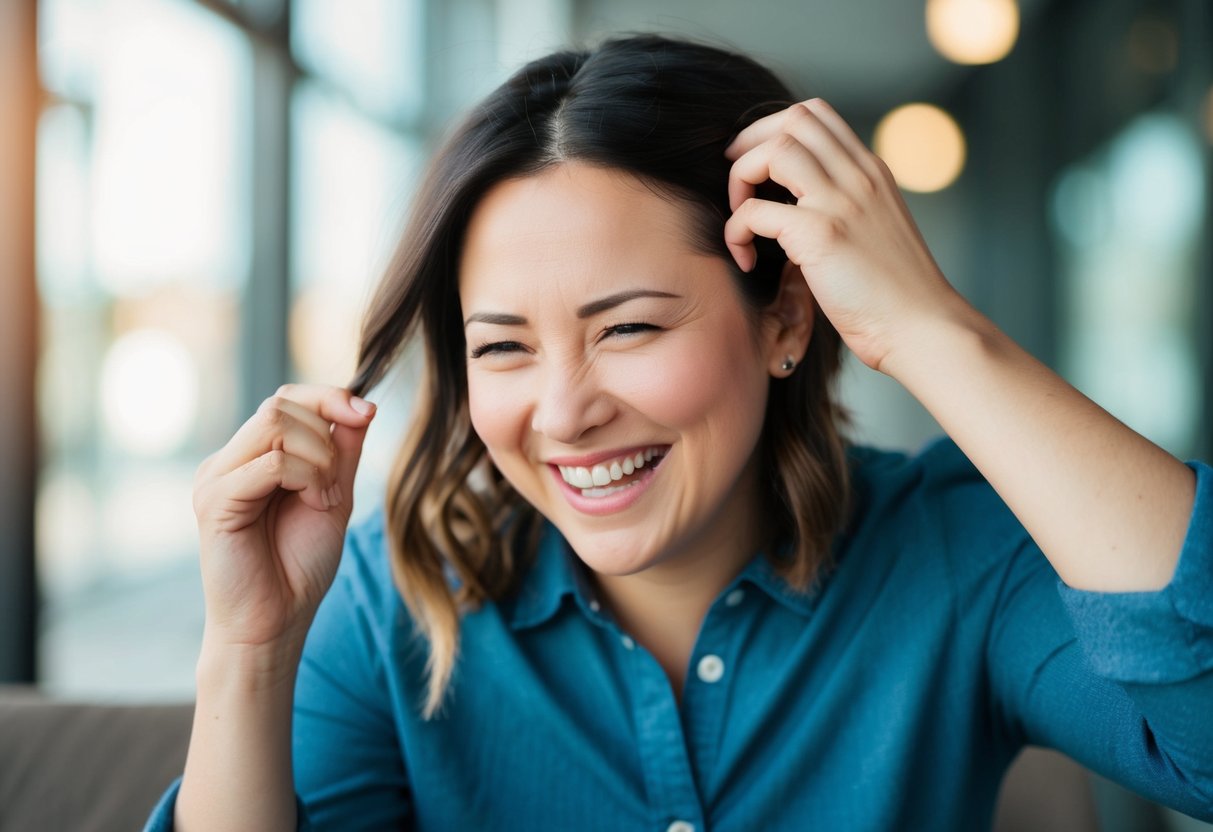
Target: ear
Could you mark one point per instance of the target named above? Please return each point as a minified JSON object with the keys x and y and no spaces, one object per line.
{"x":788,"y":322}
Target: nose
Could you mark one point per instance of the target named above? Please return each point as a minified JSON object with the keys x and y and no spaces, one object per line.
{"x":570,"y":404}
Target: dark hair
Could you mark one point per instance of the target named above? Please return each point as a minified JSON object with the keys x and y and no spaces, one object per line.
{"x":662,"y":110}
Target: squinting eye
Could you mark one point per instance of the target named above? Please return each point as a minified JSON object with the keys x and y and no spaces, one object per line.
{"x":496,"y":346}
{"x":631,"y":329}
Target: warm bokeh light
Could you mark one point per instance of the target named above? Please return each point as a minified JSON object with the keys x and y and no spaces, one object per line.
{"x":149,"y":392}
{"x":972,"y":31}
{"x":324,"y":334}
{"x":922,"y":145}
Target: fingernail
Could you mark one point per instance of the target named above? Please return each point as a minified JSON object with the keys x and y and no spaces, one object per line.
{"x":337,"y":495}
{"x":361,"y":405}
{"x":324,"y":499}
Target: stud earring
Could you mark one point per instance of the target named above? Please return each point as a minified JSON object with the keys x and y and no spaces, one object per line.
{"x":788,"y":364}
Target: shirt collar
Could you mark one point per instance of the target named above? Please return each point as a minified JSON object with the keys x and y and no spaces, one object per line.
{"x":549,"y":581}
{"x":558,"y":573}
{"x":761,"y":573}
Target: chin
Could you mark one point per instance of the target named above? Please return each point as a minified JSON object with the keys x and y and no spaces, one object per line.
{"x":618,"y":552}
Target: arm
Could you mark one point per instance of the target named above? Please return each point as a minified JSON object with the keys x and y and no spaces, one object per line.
{"x":240,"y":746}
{"x":271,"y":518}
{"x":1121,"y":682}
{"x":1107,"y":507}
{"x":1117,"y":671}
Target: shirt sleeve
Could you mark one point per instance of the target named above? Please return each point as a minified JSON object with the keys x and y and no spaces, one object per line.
{"x":161,"y":819}
{"x":1122,"y":682}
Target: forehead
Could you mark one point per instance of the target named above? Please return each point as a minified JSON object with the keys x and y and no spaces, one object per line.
{"x":582,"y":223}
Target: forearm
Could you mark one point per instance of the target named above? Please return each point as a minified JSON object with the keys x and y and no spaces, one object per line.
{"x":1106,"y":506}
{"x":238,"y":773}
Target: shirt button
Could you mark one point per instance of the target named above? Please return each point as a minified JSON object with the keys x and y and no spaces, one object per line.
{"x":680,"y":826}
{"x":734,"y":598}
{"x":711,"y":668}
{"x":628,"y":643}
{"x":595,"y":606}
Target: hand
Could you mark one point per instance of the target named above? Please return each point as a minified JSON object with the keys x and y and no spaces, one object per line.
{"x":849,"y":232}
{"x":272,"y":507}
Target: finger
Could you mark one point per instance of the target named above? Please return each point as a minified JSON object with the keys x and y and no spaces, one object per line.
{"x":333,"y":404}
{"x":769,"y":126}
{"x":842,"y":131}
{"x":278,"y":424}
{"x":802,"y":123}
{"x":349,"y":442}
{"x":783,"y":160}
{"x":840,"y":160}
{"x":756,"y":133}
{"x":245,"y":490}
{"x":758,"y":217}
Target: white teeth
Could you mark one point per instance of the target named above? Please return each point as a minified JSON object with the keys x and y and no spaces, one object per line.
{"x":604,"y":492}
{"x":592,"y":479}
{"x":579,"y":477}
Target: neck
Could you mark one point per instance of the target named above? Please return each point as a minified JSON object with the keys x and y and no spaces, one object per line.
{"x":663,"y":607}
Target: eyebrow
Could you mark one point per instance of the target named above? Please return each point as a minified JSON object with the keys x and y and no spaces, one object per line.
{"x":590,"y":309}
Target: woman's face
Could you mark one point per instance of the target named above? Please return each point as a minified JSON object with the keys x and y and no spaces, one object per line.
{"x":613,"y":373}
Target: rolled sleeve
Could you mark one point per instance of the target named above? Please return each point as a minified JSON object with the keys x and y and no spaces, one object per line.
{"x":1163,"y":636}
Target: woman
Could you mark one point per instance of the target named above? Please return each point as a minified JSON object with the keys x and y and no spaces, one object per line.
{"x":629,"y":575}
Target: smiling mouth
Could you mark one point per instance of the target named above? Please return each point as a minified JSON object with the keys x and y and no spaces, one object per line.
{"x":612,"y":475}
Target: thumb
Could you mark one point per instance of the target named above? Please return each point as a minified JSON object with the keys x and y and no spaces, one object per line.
{"x":348,"y":441}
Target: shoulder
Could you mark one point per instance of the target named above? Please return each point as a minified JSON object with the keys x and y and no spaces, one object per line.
{"x":934,"y":499}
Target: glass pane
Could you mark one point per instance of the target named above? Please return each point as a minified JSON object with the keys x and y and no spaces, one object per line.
{"x":352,"y":180}
{"x":1128,"y":220}
{"x":142,"y":214}
{"x":69,"y":37}
{"x":370,"y":49}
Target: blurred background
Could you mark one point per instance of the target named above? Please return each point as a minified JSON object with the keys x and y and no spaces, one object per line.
{"x":196,"y":197}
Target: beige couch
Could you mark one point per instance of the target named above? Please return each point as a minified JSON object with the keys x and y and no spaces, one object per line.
{"x":77,"y":767}
{"x":87,"y":767}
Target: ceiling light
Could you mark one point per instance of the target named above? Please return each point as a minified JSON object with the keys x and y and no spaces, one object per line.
{"x":972,"y":31}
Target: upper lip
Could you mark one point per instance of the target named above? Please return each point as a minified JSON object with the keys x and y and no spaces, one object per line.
{"x":588,"y":460}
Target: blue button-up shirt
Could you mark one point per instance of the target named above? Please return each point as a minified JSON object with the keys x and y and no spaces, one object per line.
{"x":893,"y":695}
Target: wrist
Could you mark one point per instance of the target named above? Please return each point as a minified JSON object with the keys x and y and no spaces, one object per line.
{"x":251,"y":668}
{"x":926,"y":343}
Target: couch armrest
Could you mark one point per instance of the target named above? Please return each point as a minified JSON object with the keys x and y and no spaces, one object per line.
{"x":80,"y":766}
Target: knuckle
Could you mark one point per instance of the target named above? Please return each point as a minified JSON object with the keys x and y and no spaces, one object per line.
{"x":274,"y":461}
{"x":799,"y":114}
{"x":273,"y":414}
{"x":882,"y":168}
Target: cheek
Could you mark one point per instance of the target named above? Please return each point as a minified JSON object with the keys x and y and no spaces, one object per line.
{"x":495,"y":416}
{"x":701,"y":378}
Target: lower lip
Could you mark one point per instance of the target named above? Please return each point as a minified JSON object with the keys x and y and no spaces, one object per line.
{"x":610,"y":504}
